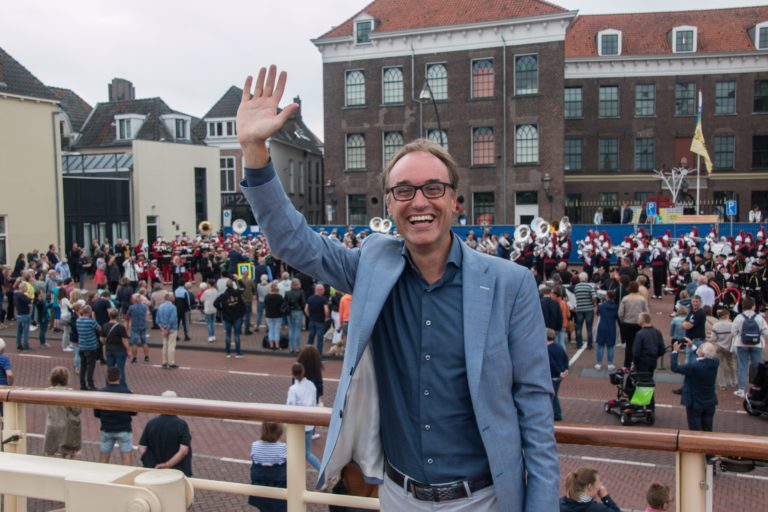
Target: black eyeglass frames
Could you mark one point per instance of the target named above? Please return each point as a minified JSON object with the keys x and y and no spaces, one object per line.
{"x":430,"y":190}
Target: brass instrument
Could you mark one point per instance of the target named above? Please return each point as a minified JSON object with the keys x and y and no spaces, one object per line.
{"x":205,"y":228}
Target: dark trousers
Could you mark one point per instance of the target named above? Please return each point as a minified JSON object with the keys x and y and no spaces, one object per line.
{"x":700,"y":419}
{"x":87,"y":365}
{"x":271,"y":476}
{"x":583,"y":317}
{"x":659,"y":280}
{"x":630,"y":330}
{"x":316,"y":329}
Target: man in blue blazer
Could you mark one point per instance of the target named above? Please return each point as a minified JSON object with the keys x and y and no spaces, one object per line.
{"x":445,"y":385}
{"x":698,"y":392}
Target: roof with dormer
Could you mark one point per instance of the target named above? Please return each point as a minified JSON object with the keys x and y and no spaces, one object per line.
{"x":400,"y":15}
{"x":295,"y":132}
{"x":17,"y":80}
{"x":100,"y":131}
{"x":718,"y":31}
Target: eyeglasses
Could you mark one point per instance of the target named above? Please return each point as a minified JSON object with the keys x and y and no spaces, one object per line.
{"x":431,"y":190}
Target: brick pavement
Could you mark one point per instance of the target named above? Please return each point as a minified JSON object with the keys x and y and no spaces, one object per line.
{"x":263,"y":378}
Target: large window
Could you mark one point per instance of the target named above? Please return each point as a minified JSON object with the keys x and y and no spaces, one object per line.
{"x":762,"y":38}
{"x":483,"y":146}
{"x":608,"y":154}
{"x":609,"y":101}
{"x":392,"y":87}
{"x":761,"y":96}
{"x":181,"y":129}
{"x":482,"y":78}
{"x":573,"y":104}
{"x":227,"y":164}
{"x":526,"y":74}
{"x":760,"y":151}
{"x":725,"y":97}
{"x":356,"y":212}
{"x":645,"y":100}
{"x":572,"y":154}
{"x":3,"y":242}
{"x":355,"y":151}
{"x":437,"y":78}
{"x":484,"y":207}
{"x":685,"y":103}
{"x":724,"y":151}
{"x":393,"y":141}
{"x":644,"y":153}
{"x":608,"y":198}
{"x":609,"y":44}
{"x":354,"y":92}
{"x":526,"y":144}
{"x":439,"y":136}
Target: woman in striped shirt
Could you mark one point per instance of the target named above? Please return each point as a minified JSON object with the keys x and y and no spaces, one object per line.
{"x":268,"y":466}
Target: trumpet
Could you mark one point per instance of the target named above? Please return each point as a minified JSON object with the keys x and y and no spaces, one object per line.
{"x":379,"y":225}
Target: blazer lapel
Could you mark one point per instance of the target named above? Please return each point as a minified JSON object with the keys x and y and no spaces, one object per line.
{"x":387,"y":266}
{"x":477,"y":290}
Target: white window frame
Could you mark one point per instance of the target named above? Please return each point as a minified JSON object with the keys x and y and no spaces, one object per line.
{"x":685,"y":28}
{"x":346,"y":152}
{"x":132,"y":121}
{"x":526,"y":92}
{"x":347,"y":73}
{"x":472,"y":77}
{"x":384,"y":135}
{"x":763,"y":24}
{"x":364,"y":18}
{"x":384,"y":70}
{"x":518,"y":150}
{"x":225,"y":125}
{"x":433,"y":134}
{"x":608,"y":32}
{"x":427,"y":67}
{"x":291,"y":178}
{"x":228,"y":170}
{"x":4,"y":237}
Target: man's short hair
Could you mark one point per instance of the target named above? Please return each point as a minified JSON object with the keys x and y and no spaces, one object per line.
{"x":723,"y":314}
{"x":583,"y":277}
{"x":645,"y":318}
{"x":113,"y":373}
{"x":113,"y":312}
{"x":747,"y":303}
{"x":424,"y":146}
{"x":545,"y":290}
{"x":657,"y":496}
{"x":708,"y":349}
{"x":551,"y":334}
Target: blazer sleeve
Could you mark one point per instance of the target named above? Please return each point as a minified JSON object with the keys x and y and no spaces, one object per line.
{"x":532,"y":393}
{"x":293,"y":241}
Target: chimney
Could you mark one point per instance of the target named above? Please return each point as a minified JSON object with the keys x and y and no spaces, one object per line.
{"x":121,"y":89}
{"x":297,"y":114}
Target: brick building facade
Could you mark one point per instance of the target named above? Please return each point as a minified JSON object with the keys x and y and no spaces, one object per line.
{"x":505,"y":81}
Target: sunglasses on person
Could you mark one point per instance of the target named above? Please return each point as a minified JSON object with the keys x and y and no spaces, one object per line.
{"x":431,"y":190}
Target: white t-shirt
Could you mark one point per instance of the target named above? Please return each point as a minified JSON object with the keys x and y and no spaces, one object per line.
{"x":707,"y":295}
{"x":303,"y":392}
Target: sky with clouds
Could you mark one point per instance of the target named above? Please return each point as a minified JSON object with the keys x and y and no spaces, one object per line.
{"x":190,"y":52}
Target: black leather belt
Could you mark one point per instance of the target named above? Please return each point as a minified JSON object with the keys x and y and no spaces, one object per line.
{"x":438,"y":492}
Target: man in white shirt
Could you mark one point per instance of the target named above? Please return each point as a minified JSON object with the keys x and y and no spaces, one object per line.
{"x":706,"y":293}
{"x":747,"y":352}
{"x":303,"y":392}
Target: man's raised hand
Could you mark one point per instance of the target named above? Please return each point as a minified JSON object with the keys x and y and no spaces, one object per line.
{"x":257,"y":116}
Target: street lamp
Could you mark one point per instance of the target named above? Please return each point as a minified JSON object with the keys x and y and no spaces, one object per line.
{"x":426,"y":95}
{"x":546,"y":183}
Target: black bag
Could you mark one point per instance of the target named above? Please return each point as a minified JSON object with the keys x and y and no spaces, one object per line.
{"x":265,"y":341}
{"x":285,"y":308}
{"x":750,"y":330}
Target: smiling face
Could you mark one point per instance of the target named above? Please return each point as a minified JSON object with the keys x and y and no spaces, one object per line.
{"x":425,"y":224}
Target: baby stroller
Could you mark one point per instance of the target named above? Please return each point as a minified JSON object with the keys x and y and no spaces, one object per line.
{"x":634,"y":393}
{"x":756,"y":400}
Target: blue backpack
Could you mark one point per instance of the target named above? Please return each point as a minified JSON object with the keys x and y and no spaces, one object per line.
{"x":750,"y":330}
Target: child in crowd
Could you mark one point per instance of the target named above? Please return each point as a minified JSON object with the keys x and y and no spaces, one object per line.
{"x":658,"y":498}
{"x":584,"y":492}
{"x":268,"y":466}
{"x":676,"y":329}
{"x":304,"y":393}
{"x":558,"y":367}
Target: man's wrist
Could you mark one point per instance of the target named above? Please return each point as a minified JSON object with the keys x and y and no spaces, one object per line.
{"x":255,"y":155}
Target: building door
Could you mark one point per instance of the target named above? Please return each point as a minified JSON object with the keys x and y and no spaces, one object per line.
{"x":151,"y":228}
{"x":526,"y":206}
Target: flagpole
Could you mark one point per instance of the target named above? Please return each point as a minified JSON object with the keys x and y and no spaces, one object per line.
{"x":698,"y":182}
